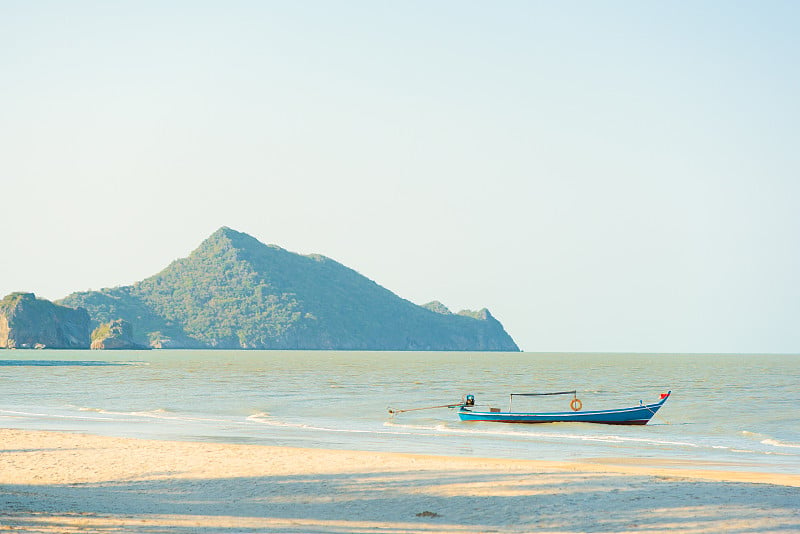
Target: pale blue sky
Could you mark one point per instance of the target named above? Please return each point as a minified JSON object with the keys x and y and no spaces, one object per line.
{"x":603,"y":176}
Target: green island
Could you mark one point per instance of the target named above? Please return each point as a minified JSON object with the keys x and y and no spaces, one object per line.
{"x":234,"y":292}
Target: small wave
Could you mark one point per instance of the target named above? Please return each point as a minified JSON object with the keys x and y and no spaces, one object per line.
{"x":56,"y":416}
{"x":769,"y":440}
{"x":157,"y":412}
{"x":88,"y":409}
{"x":259,"y":417}
{"x":265,"y":419}
{"x":9,"y":414}
{"x":779,"y":443}
{"x":65,"y":363}
{"x":167,"y":415}
{"x":527,"y":434}
{"x":287,"y":424}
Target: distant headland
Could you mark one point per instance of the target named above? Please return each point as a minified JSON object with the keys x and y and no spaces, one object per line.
{"x":234,"y":292}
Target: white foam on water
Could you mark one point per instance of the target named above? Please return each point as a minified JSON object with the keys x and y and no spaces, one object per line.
{"x":56,"y":416}
{"x":264,"y":419}
{"x":769,"y":440}
{"x":157,"y":413}
{"x":259,"y":417}
{"x":779,"y":443}
{"x":534,"y":435}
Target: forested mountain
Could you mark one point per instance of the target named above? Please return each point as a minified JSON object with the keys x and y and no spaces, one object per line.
{"x":235,"y":292}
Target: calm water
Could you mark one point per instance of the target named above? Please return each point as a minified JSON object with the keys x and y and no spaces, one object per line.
{"x":731,"y":411}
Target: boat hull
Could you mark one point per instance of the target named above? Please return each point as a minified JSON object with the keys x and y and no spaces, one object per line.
{"x":636,"y":415}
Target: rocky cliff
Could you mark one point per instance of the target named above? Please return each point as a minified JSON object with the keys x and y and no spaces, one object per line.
{"x":30,"y":322}
{"x":115,"y":335}
{"x":235,"y":292}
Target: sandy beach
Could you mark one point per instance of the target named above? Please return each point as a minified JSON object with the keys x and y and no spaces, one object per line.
{"x":61,"y":482}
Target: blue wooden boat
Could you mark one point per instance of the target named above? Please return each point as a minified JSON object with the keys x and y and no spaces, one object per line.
{"x":636,"y":415}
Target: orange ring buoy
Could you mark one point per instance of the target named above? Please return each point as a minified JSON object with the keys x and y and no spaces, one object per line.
{"x":576,"y":404}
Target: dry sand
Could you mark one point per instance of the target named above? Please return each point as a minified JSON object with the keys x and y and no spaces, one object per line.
{"x":59,"y":482}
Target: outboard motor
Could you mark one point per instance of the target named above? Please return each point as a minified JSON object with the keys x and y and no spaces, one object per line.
{"x":469,"y":400}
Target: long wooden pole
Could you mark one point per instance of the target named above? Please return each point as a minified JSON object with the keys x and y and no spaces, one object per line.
{"x":425,"y":408}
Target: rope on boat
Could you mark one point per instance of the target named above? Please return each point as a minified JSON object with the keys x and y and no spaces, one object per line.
{"x":655,"y":414}
{"x":393,"y":412}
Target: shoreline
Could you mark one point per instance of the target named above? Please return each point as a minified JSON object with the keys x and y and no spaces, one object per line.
{"x":65,"y":482}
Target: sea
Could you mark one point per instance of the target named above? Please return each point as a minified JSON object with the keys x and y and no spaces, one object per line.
{"x":727,"y":411}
